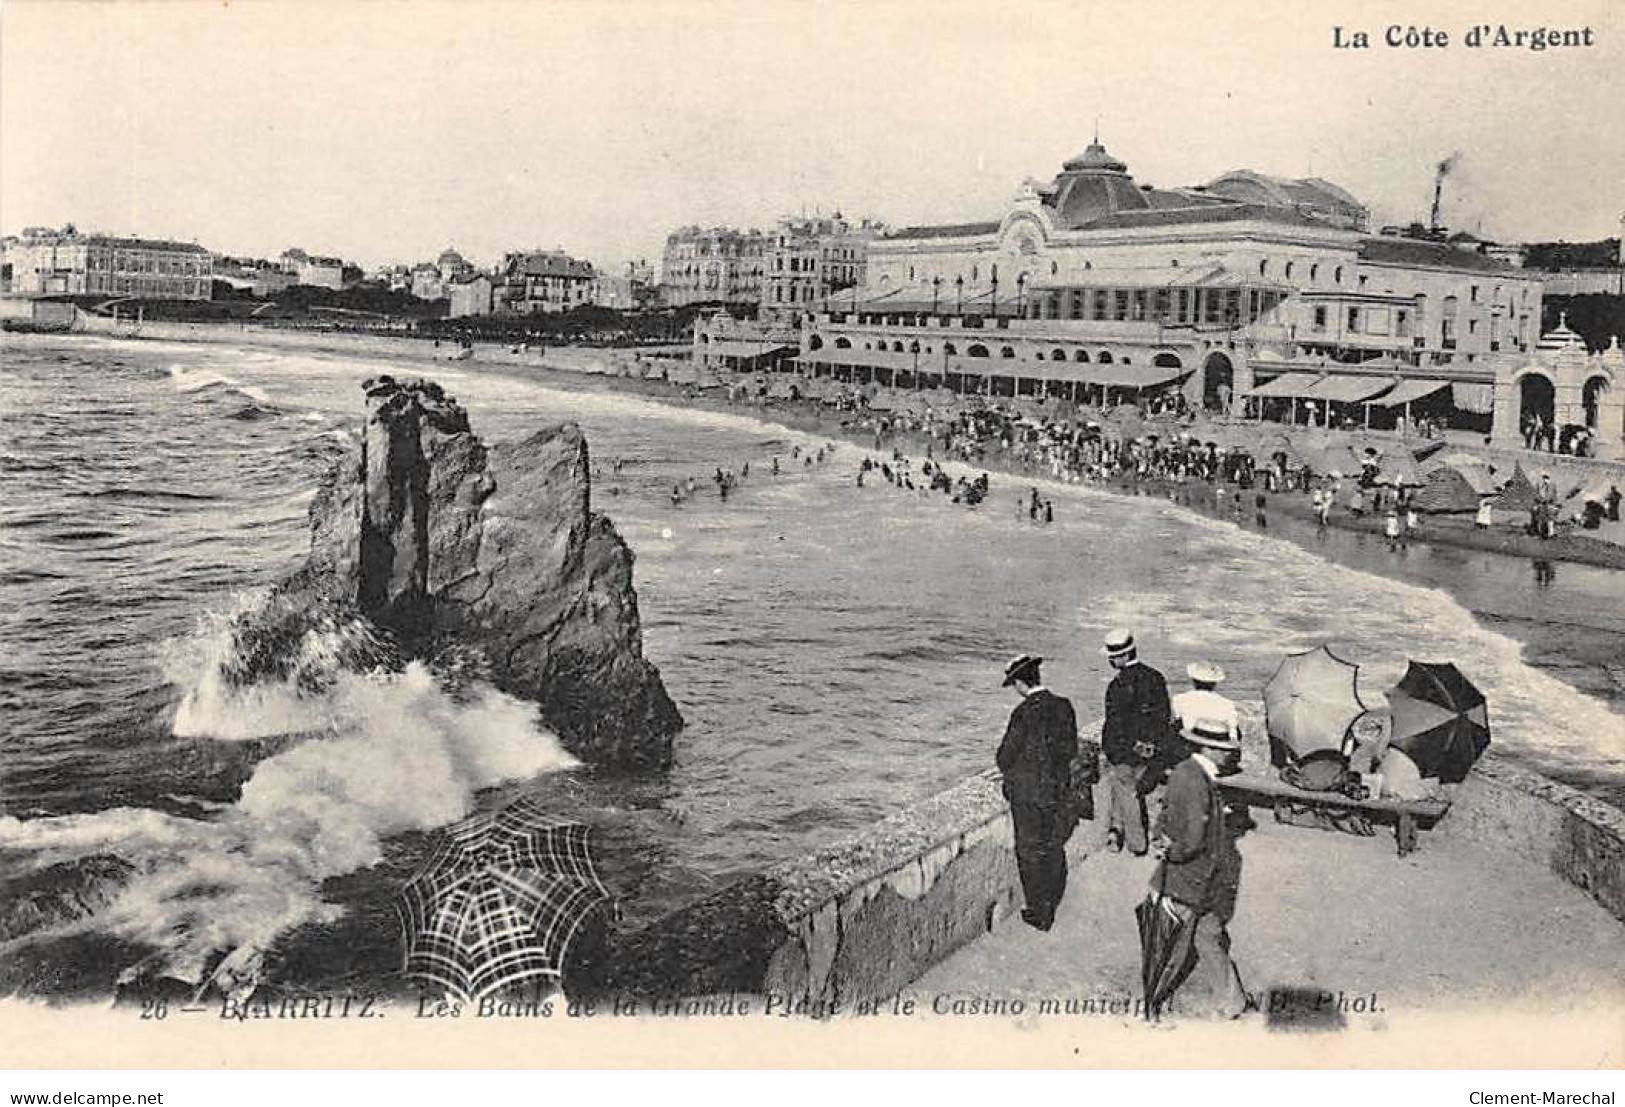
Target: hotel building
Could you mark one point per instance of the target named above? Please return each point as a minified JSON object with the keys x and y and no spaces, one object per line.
{"x":1247,"y":293}
{"x":45,"y":262}
{"x":713,"y":264}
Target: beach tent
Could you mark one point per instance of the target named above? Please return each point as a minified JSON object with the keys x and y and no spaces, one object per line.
{"x":1447,"y":488}
{"x":1518,"y":494}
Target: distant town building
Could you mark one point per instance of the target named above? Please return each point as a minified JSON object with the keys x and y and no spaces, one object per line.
{"x":452,"y":266}
{"x":810,"y":259}
{"x":540,"y":282}
{"x":66,"y":262}
{"x":712,"y":265}
{"x":427,"y":283}
{"x":259,"y":278}
{"x":470,"y":295}
{"x":320,"y":272}
{"x":611,"y":291}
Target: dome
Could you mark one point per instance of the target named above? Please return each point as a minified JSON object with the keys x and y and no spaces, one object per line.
{"x":1094,"y":157}
{"x":1091,"y":186}
{"x":450,"y":257}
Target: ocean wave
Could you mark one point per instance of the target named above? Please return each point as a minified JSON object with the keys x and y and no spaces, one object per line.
{"x":392,"y":753}
{"x":190,"y":379}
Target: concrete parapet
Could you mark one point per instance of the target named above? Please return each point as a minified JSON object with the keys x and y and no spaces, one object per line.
{"x":863,"y":919}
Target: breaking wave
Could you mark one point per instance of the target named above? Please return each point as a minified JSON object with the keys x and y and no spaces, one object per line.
{"x":385,"y":753}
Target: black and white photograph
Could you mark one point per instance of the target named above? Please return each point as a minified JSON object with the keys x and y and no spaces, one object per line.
{"x":864,"y":535}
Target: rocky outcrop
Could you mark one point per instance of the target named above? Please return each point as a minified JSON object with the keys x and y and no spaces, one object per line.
{"x":445,"y":542}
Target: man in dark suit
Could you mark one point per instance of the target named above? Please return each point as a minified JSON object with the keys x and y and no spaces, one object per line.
{"x":1036,"y":759}
{"x":1201,"y":867}
{"x":1135,"y":741}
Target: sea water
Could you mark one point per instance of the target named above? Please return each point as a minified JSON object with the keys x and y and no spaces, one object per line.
{"x":836,"y":650}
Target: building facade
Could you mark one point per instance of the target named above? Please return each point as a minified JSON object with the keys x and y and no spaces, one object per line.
{"x":469,"y":295}
{"x":712,"y":265}
{"x":543,"y":282}
{"x":46,"y":262}
{"x":1243,"y":290}
{"x":809,"y":260}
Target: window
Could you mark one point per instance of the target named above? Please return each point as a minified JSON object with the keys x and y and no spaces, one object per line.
{"x":1354,"y":320}
{"x":1337,"y":275}
{"x":1362,"y":280}
{"x":1289,"y":270}
{"x":975,"y":272}
{"x":1314,"y":272}
{"x":1320,"y":319}
{"x":1264,"y":268}
{"x":1054,"y":268}
{"x":1473,"y":294}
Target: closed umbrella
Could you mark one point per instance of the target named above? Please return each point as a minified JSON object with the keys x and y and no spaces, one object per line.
{"x":1440,"y":720}
{"x":1167,"y":950}
{"x":1310,"y":703}
{"x":499,"y":901}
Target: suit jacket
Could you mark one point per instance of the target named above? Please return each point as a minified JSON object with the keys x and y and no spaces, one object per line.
{"x":1036,"y":753}
{"x":1202,"y":868}
{"x":1137,"y":710}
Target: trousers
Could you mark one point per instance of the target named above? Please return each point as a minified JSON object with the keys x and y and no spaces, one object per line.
{"x":1125,"y":807}
{"x":1213,"y":988}
{"x":1040,"y":856}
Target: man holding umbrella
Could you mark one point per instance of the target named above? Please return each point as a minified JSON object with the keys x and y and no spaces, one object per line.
{"x":1134,"y":740}
{"x":1036,"y":760}
{"x":1201,"y":867}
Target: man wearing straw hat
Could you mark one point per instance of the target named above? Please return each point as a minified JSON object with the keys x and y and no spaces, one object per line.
{"x":1036,"y":760}
{"x":1202,"y":701}
{"x":1201,"y":867}
{"x":1134,"y":740}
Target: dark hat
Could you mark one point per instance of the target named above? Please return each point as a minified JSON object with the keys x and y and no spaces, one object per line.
{"x":1023,"y":668}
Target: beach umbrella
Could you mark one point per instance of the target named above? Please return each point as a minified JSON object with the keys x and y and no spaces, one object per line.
{"x":1311,"y":700}
{"x":1167,"y":950}
{"x":1400,"y":471}
{"x":1440,"y":720}
{"x":499,"y":901}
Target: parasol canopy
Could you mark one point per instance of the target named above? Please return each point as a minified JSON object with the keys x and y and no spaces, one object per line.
{"x":1440,"y":720}
{"x":1167,"y":950}
{"x":1311,"y":701}
{"x":499,"y":901}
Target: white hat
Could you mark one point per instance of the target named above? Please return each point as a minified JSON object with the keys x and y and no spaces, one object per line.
{"x":1204,"y":671}
{"x":1212,"y":733}
{"x":1119,"y":643}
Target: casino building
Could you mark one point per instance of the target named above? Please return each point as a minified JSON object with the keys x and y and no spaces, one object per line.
{"x":1248,"y":293}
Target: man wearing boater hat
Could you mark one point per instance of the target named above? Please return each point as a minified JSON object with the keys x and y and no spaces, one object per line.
{"x":1036,"y":760}
{"x":1201,"y":867}
{"x":1202,"y":701}
{"x":1135,"y":740}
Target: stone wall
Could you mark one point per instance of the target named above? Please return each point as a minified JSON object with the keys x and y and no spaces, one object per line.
{"x":863,"y":919}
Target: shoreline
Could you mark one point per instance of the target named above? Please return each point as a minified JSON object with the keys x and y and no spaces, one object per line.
{"x":808,"y":416}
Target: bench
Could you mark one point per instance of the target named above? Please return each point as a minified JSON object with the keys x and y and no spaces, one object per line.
{"x":1406,"y":815}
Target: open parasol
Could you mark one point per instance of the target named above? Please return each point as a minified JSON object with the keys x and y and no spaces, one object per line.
{"x":499,"y":901}
{"x":1311,"y":701}
{"x":1440,"y":720}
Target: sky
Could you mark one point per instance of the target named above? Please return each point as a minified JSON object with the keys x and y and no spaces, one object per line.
{"x":387,"y":131}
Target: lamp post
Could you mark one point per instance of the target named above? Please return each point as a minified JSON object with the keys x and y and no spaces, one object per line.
{"x":995,"y":293}
{"x":959,"y":295}
{"x":1021,"y":288}
{"x":936,"y":284}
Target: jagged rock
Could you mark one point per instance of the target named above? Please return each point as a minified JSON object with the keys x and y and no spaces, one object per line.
{"x":440,"y":540}
{"x":62,"y":893}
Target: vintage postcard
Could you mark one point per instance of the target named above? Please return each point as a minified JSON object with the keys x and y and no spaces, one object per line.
{"x":895,"y":534}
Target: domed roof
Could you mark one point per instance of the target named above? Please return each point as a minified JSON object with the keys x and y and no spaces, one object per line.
{"x":1094,"y":156}
{"x":1562,"y":338}
{"x":1092,"y":186}
{"x":450,"y":257}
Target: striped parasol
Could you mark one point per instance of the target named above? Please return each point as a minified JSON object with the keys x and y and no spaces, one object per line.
{"x":499,"y":901}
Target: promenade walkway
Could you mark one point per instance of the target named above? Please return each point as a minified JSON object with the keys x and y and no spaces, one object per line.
{"x":1453,"y":926}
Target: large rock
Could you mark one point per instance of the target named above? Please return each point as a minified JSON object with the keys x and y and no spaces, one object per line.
{"x":446,"y":543}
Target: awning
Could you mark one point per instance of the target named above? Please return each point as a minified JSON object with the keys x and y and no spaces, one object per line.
{"x":1409,"y":390}
{"x":1287,"y":384}
{"x":734,"y":347}
{"x":1476,"y":398}
{"x":1349,"y":390}
{"x":1131,"y":376}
